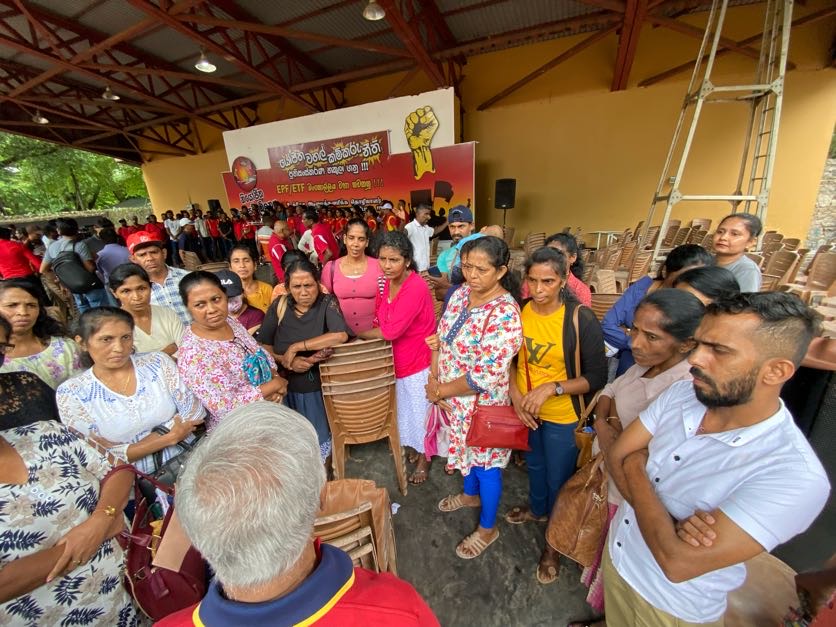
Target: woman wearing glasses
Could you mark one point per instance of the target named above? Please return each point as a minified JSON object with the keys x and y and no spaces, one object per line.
{"x":218,"y":359}
{"x":405,"y":316}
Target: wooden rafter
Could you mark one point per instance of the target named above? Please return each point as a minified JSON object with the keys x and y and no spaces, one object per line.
{"x":628,"y":43}
{"x":722,"y":50}
{"x":562,"y":57}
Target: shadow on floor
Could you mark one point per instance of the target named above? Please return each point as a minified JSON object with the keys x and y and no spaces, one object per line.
{"x":496,"y":589}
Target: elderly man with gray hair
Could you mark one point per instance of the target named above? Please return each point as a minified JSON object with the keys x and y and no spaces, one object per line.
{"x":247,"y":499}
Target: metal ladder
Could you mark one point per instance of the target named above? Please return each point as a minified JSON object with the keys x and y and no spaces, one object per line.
{"x":763,"y":97}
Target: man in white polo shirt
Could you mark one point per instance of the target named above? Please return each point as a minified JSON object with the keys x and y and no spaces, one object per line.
{"x":723,"y":447}
{"x":419,"y":234}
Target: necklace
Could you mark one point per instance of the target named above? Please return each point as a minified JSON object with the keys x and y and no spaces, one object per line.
{"x":124,"y":386}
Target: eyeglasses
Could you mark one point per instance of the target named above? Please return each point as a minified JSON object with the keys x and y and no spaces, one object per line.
{"x":5,"y":347}
{"x":478,"y":271}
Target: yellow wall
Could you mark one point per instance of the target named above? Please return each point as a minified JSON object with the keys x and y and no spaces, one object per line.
{"x":586,"y":157}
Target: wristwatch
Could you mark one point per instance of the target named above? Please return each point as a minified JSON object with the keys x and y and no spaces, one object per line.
{"x":558,"y":389}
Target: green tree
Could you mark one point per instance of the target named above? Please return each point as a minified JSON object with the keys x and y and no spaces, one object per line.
{"x":39,"y":177}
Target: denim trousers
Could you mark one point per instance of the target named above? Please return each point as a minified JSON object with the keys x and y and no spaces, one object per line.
{"x":487,"y":483}
{"x":551,"y":461}
{"x":93,"y":298}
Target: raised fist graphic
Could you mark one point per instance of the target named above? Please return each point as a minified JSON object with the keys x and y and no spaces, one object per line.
{"x":420,"y":127}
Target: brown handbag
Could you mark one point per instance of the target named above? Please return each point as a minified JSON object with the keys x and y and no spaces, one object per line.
{"x":579,"y":517}
{"x":496,"y":426}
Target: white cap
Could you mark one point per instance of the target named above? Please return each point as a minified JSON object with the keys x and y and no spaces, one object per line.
{"x":386,"y":205}
{"x":185,"y":221}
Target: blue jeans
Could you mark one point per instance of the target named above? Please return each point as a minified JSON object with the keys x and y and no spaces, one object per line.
{"x":487,"y":484}
{"x":93,"y":298}
{"x":551,"y":461}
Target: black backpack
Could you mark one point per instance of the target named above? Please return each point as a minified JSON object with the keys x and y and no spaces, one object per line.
{"x":70,"y":270}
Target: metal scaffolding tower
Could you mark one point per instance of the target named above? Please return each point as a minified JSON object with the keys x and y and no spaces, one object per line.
{"x":763,"y":97}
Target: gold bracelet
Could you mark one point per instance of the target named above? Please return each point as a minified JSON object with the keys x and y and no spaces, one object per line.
{"x":107,"y":510}
{"x":438,"y":392}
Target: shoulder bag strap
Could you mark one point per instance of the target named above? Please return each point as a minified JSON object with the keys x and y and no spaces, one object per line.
{"x":333,"y":263}
{"x":525,"y":364}
{"x":576,"y":325}
{"x":481,"y":335}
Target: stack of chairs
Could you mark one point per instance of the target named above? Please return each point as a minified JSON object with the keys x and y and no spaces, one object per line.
{"x":358,"y":387}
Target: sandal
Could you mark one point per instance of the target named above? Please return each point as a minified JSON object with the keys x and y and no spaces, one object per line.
{"x":453,"y":502}
{"x":547,"y":572}
{"x":521,"y":515}
{"x":473,"y":545}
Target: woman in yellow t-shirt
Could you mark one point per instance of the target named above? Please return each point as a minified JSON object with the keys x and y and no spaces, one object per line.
{"x":545,"y":389}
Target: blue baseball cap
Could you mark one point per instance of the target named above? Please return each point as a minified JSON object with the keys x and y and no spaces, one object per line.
{"x":460,"y":213}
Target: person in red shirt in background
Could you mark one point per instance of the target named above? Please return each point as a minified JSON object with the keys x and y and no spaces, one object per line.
{"x":18,"y":262}
{"x":247,"y":232}
{"x":124,"y":230}
{"x":340,"y":222}
{"x":212,"y":223}
{"x":329,"y":217}
{"x":278,"y":245}
{"x":371,"y":218}
{"x":264,"y":458}
{"x":299,"y":224}
{"x":237,"y":224}
{"x":324,"y":242}
{"x":392,"y":220}
{"x":156,"y":228}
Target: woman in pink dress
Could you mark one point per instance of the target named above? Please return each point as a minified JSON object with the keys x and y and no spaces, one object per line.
{"x":405,"y":316}
{"x":355,"y":279}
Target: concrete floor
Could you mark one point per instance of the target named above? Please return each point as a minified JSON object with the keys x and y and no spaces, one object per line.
{"x":497,"y":588}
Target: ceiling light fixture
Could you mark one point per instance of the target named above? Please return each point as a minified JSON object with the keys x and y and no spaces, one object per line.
{"x":109,"y":95}
{"x":205,"y":65}
{"x":374,"y":11}
{"x":39,"y":119}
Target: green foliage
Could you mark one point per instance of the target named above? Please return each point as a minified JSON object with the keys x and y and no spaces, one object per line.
{"x":39,"y":177}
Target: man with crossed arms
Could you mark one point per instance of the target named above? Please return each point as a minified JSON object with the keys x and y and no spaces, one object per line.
{"x":722,"y":455}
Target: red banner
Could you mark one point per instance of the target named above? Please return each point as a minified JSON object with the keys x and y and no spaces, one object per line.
{"x":356,"y":170}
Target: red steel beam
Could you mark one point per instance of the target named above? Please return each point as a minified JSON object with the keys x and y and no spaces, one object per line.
{"x":407,"y":33}
{"x":628,"y":43}
{"x":172,"y":22}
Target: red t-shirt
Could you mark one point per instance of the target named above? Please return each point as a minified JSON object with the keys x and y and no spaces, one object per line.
{"x":237,"y":225}
{"x":278,"y":246}
{"x":212,"y":225}
{"x":391,"y":222}
{"x":126,"y":231}
{"x":323,"y":239}
{"x":156,"y":228}
{"x":333,"y":595}
{"x":372,"y":224}
{"x":16,"y":260}
{"x":247,"y":231}
{"x":339,"y":226}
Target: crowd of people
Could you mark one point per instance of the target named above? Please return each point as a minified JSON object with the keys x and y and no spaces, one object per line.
{"x":706,"y":466}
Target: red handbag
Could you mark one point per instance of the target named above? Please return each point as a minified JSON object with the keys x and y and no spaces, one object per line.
{"x":496,"y":426}
{"x":159,"y":591}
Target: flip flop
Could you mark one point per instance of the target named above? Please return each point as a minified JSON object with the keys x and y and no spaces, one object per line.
{"x":452,"y":502}
{"x":475,"y":544}
{"x":521,"y":515}
{"x":550,"y":576}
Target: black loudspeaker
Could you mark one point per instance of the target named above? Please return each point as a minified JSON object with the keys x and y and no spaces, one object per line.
{"x":215,"y":204}
{"x":506,"y":190}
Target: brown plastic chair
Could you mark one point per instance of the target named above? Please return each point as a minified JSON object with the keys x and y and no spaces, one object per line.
{"x":791,"y":243}
{"x":696,"y":236}
{"x":766,"y":594}
{"x":343,"y":495}
{"x":704,"y":224}
{"x":533,"y":241}
{"x":604,"y":282}
{"x":602,"y":303}
{"x":350,"y":531}
{"x":358,"y":387}
{"x":782,"y":263}
{"x":758,"y":259}
{"x":191,"y":261}
{"x":214,"y":266}
{"x":820,"y":281}
{"x":681,"y":236}
{"x":670,"y":235}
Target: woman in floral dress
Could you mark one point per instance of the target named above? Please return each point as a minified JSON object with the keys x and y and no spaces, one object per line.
{"x":478,"y":337}
{"x":38,"y":342}
{"x":60,"y":563}
{"x":218,"y":356}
